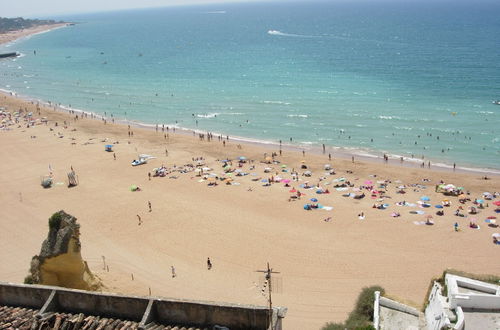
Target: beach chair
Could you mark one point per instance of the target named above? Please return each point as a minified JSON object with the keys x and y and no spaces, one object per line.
{"x":72,"y":179}
{"x":46,"y":182}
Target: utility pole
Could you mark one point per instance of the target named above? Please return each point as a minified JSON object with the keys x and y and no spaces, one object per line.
{"x":268,"y":273}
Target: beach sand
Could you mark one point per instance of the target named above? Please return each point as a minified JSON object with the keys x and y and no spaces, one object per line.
{"x":14,"y":35}
{"x":323,"y":265}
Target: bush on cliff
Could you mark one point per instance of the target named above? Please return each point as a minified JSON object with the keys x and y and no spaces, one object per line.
{"x":362,"y":315}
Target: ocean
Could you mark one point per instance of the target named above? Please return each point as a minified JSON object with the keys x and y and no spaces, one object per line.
{"x":407,"y":79}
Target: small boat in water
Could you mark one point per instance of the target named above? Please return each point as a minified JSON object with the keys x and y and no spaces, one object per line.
{"x":13,"y":54}
{"x":497,"y":102}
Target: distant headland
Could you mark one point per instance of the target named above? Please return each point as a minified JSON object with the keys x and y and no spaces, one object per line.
{"x":15,"y":28}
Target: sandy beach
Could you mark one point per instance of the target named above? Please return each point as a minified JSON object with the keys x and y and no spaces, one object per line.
{"x":324,"y":256}
{"x":14,"y":35}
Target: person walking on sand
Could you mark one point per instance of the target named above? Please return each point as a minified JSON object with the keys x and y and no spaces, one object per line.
{"x":114,"y":156}
{"x":172,"y":268}
{"x":209,"y":263}
{"x":149,"y":206}
{"x":139,"y":220}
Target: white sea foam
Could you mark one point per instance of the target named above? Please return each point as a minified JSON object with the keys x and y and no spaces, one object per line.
{"x":299,"y":116}
{"x":208,"y":115}
{"x":276,"y":102}
{"x":388,"y":117}
{"x":282,"y":34}
{"x":216,"y":12}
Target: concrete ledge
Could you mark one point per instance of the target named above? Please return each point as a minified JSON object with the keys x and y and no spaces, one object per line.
{"x":140,"y":309}
{"x":460,"y":324}
{"x":389,"y":303}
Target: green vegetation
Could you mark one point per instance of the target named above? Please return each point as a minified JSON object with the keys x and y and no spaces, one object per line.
{"x":18,"y":23}
{"x":29,"y":280}
{"x":361,"y":317}
{"x":55,"y":220}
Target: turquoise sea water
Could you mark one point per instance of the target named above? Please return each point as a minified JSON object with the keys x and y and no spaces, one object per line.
{"x":404,"y":79}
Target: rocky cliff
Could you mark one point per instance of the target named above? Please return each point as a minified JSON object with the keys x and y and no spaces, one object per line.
{"x":60,"y":262}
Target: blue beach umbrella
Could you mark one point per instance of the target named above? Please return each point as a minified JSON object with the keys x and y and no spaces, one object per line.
{"x":425,"y":198}
{"x":480,"y":201}
{"x":439,"y":206}
{"x":314,"y":200}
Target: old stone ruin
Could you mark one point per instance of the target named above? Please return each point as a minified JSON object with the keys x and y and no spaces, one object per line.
{"x":60,"y":261}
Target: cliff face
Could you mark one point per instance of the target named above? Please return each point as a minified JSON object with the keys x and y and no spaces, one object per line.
{"x":60,"y":262}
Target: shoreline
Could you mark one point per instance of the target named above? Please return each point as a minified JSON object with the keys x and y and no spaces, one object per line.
{"x":342,"y":152}
{"x":17,"y":35}
{"x":337,"y":152}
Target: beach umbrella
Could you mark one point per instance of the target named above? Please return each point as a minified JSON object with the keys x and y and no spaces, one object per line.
{"x":293,"y":190}
{"x":490,"y":221}
{"x":264,"y":180}
{"x":497,"y":203}
{"x":243,"y":158}
{"x":368,"y":182}
{"x":314,"y":200}
{"x":283,"y":166}
{"x":285,"y":180}
{"x":439,"y":206}
{"x":491,"y":217}
{"x":480,"y":201}
{"x":496,"y":235}
{"x":486,"y":193}
{"x":425,"y":198}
